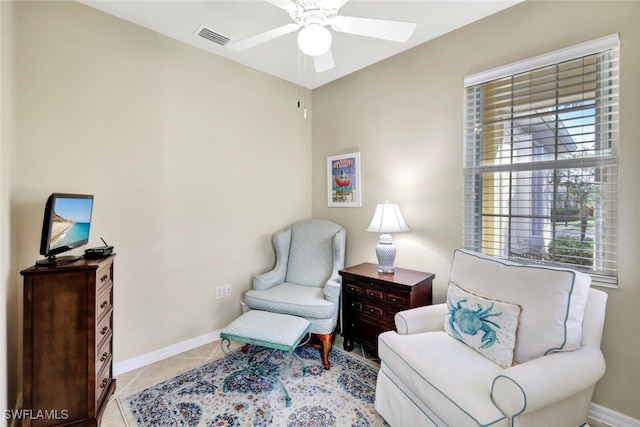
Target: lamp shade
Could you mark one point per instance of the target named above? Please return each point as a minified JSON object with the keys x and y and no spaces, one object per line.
{"x":314,"y":40}
{"x":387,"y":219}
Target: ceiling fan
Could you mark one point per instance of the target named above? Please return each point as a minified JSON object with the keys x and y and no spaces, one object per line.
{"x":314,"y":39}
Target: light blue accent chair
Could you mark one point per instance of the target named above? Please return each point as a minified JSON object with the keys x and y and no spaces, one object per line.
{"x":305,"y":280}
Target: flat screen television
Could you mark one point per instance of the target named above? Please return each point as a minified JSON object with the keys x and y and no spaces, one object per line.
{"x":65,"y":226}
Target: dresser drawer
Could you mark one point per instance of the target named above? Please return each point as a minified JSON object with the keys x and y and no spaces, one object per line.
{"x":104,"y":277}
{"x":103,"y":330}
{"x":104,"y":354}
{"x":103,"y":380}
{"x":104,"y":301}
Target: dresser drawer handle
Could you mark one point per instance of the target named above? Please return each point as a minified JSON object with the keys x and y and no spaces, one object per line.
{"x":104,"y":304}
{"x":394,"y":300}
{"x":104,"y":356}
{"x":372,"y":310}
{"x":104,"y":330}
{"x":104,"y":278}
{"x":104,"y":383}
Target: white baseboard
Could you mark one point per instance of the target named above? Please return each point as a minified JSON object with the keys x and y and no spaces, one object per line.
{"x":163,"y":353}
{"x":612,"y":418}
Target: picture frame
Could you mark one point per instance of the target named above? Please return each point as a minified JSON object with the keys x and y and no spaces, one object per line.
{"x":344,"y":184}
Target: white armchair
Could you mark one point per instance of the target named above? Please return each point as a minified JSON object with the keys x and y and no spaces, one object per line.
{"x":429,"y":377}
{"x":305,"y":280}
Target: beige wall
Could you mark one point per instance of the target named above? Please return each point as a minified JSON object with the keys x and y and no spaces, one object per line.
{"x":405,"y":116}
{"x":193,"y":161}
{"x":8,"y":289}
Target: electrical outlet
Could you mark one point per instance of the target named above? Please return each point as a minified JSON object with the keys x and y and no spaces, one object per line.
{"x":219,"y":292}
{"x":227,"y":290}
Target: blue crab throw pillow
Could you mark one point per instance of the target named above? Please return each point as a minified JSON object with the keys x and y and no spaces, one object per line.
{"x":488,"y":326}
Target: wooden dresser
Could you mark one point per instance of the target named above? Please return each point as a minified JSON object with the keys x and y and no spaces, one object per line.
{"x":370,"y":300}
{"x":68,"y":343}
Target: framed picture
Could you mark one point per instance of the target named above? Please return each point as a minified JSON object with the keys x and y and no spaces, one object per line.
{"x":344,"y":184}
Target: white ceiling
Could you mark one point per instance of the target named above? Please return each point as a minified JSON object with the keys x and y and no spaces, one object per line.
{"x":239,"y":19}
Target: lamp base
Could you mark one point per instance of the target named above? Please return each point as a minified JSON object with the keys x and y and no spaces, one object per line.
{"x":386,"y":253}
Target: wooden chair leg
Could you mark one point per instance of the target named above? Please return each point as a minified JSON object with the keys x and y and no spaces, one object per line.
{"x":327,"y":342}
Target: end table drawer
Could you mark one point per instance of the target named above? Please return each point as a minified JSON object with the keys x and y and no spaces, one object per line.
{"x":397,"y":298}
{"x":375,"y":294}
{"x":354,"y":305}
{"x":353,"y":289}
{"x":374,"y":310}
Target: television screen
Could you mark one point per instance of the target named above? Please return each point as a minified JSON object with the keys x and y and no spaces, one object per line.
{"x":66,"y":223}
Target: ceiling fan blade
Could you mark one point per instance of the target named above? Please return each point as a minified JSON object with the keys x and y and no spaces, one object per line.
{"x":263,"y":37}
{"x":397,"y":31}
{"x":324,"y":62}
{"x":333,"y":4}
{"x":283,"y":4}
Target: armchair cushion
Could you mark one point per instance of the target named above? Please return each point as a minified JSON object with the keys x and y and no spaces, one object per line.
{"x":289,"y":298}
{"x":444,"y":372}
{"x":552,"y":299}
{"x":487,"y":326}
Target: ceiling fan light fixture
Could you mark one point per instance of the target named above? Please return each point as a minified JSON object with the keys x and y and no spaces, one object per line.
{"x":314,"y":40}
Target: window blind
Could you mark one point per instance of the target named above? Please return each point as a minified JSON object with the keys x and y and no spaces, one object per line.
{"x":540,"y":159}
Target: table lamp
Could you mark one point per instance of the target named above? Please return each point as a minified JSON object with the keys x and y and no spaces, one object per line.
{"x":387,"y":219}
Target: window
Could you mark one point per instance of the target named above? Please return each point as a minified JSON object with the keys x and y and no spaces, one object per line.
{"x":540,"y":160}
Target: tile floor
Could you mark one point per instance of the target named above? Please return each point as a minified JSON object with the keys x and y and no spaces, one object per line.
{"x":143,"y":377}
{"x":140,"y":378}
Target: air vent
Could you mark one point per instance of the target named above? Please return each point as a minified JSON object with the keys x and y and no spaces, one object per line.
{"x":211,"y":35}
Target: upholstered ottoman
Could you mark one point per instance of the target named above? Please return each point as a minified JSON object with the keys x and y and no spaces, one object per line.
{"x":269,"y":332}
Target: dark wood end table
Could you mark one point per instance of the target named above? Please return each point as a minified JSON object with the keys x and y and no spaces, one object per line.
{"x":371,"y":299}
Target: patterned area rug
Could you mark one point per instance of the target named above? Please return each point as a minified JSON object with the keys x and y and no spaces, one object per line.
{"x":342,"y":396}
